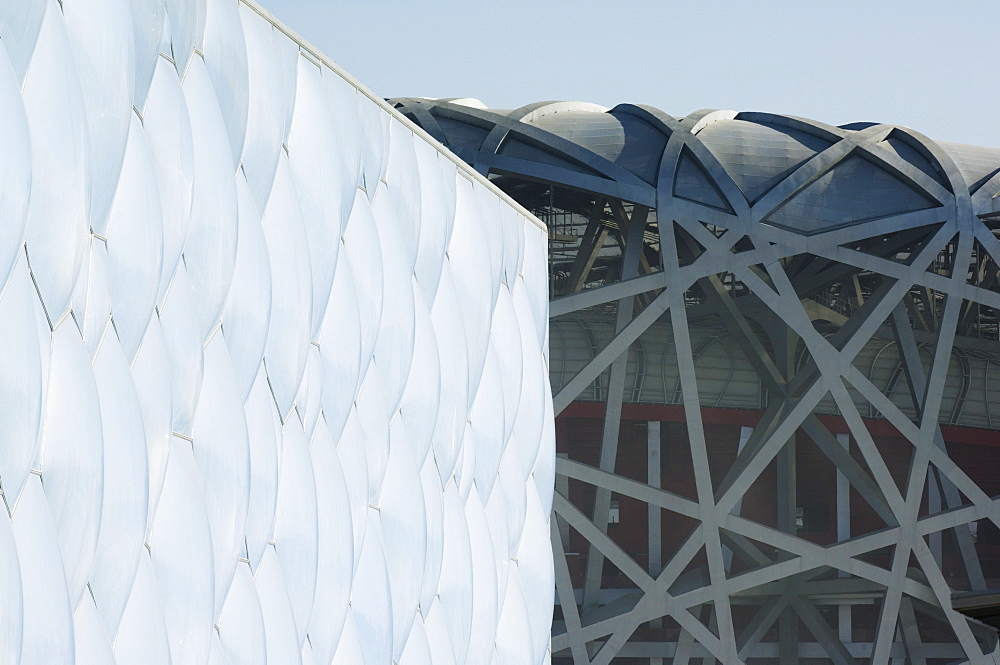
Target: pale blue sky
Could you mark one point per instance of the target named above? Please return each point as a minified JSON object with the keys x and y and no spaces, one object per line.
{"x":933,"y":66}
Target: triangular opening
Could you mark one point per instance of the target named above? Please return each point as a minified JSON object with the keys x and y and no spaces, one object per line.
{"x":742,"y":554}
{"x":694,"y":576}
{"x":853,"y":191}
{"x":945,"y":261}
{"x":705,"y":615}
{"x":692,"y":183}
{"x":661,"y":629}
{"x":714,"y":229}
{"x":744,"y":244}
{"x":881,"y":557}
{"x":932,"y":625}
{"x":688,"y":247}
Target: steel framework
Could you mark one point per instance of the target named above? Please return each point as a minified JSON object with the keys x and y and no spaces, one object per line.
{"x":814,"y":252}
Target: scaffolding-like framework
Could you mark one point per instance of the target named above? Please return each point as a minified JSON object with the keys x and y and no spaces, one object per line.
{"x":813,"y":256}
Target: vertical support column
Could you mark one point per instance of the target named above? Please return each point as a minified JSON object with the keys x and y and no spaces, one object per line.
{"x":562,"y":487}
{"x":934,"y":506}
{"x":843,"y":499}
{"x":786,"y":341}
{"x":655,"y":524}
{"x":727,"y":554}
{"x":844,"y":617}
{"x":653,"y":478}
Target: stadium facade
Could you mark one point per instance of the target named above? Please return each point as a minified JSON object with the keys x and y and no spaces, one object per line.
{"x":774,"y":355}
{"x":272,"y":362}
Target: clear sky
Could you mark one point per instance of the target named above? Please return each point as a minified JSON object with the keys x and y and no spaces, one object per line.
{"x":933,"y":66}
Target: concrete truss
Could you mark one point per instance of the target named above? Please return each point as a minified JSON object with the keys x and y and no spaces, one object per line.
{"x":831,"y":238}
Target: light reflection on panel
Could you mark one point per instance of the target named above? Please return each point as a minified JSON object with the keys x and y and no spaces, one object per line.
{"x":287,"y":412}
{"x":15,"y":168}
{"x":101,"y":39}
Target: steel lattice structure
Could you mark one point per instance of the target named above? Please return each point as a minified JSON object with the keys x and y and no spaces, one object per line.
{"x":851,"y":273}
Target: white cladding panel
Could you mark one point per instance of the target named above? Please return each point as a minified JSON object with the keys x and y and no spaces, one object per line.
{"x":272,"y":372}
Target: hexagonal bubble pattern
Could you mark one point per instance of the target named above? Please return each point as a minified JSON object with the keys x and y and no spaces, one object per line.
{"x":270,"y":380}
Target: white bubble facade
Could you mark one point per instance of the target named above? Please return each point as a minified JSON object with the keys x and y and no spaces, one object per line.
{"x":273,"y":371}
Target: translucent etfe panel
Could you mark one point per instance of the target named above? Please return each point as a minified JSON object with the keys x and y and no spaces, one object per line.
{"x":374,"y":422}
{"x":126,"y":487}
{"x":438,"y":637}
{"x":101,"y":40}
{"x":535,"y":572}
{"x":47,"y":626}
{"x":361,"y":246}
{"x":490,"y":210}
{"x":394,"y":347}
{"x":247,"y":314}
{"x":514,"y":634}
{"x":296,"y":537}
{"x":184,"y":350}
{"x":403,"y":178}
{"x":434,"y":511}
{"x":456,"y":586}
{"x":72,"y":455}
{"x":318,"y":173}
{"x":281,"y":637}
{"x":417,"y":651}
{"x":535,"y":276}
{"x":187,"y":30}
{"x":265,"y":108}
{"x":21,"y":372}
{"x":11,"y":610}
{"x":92,"y":296}
{"x":142,"y":634}
{"x":373,"y":609}
{"x":403,"y":520}
{"x":336,"y":546}
{"x":505,"y":338}
{"x":60,"y":170}
{"x":181,"y":552}
{"x":544,"y":473}
{"x":222,"y":452}
{"x":135,"y":242}
{"x":437,"y":215}
{"x":449,"y":330}
{"x":349,"y":646}
{"x":168,"y":129}
{"x":291,"y":296}
{"x":484,"y":581}
{"x":19,"y":25}
{"x":422,"y":394}
{"x":151,"y":378}
{"x":226,"y":62}
{"x":147,"y":25}
{"x":468,"y":257}
{"x":351,"y":450}
{"x":210,"y":245}
{"x":241,"y":625}
{"x":487,"y":426}
{"x":496,"y":518}
{"x":264,"y":431}
{"x":341,"y":354}
{"x":526,"y":434}
{"x":308,"y":400}
{"x":91,"y":643}
{"x":15,"y":167}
